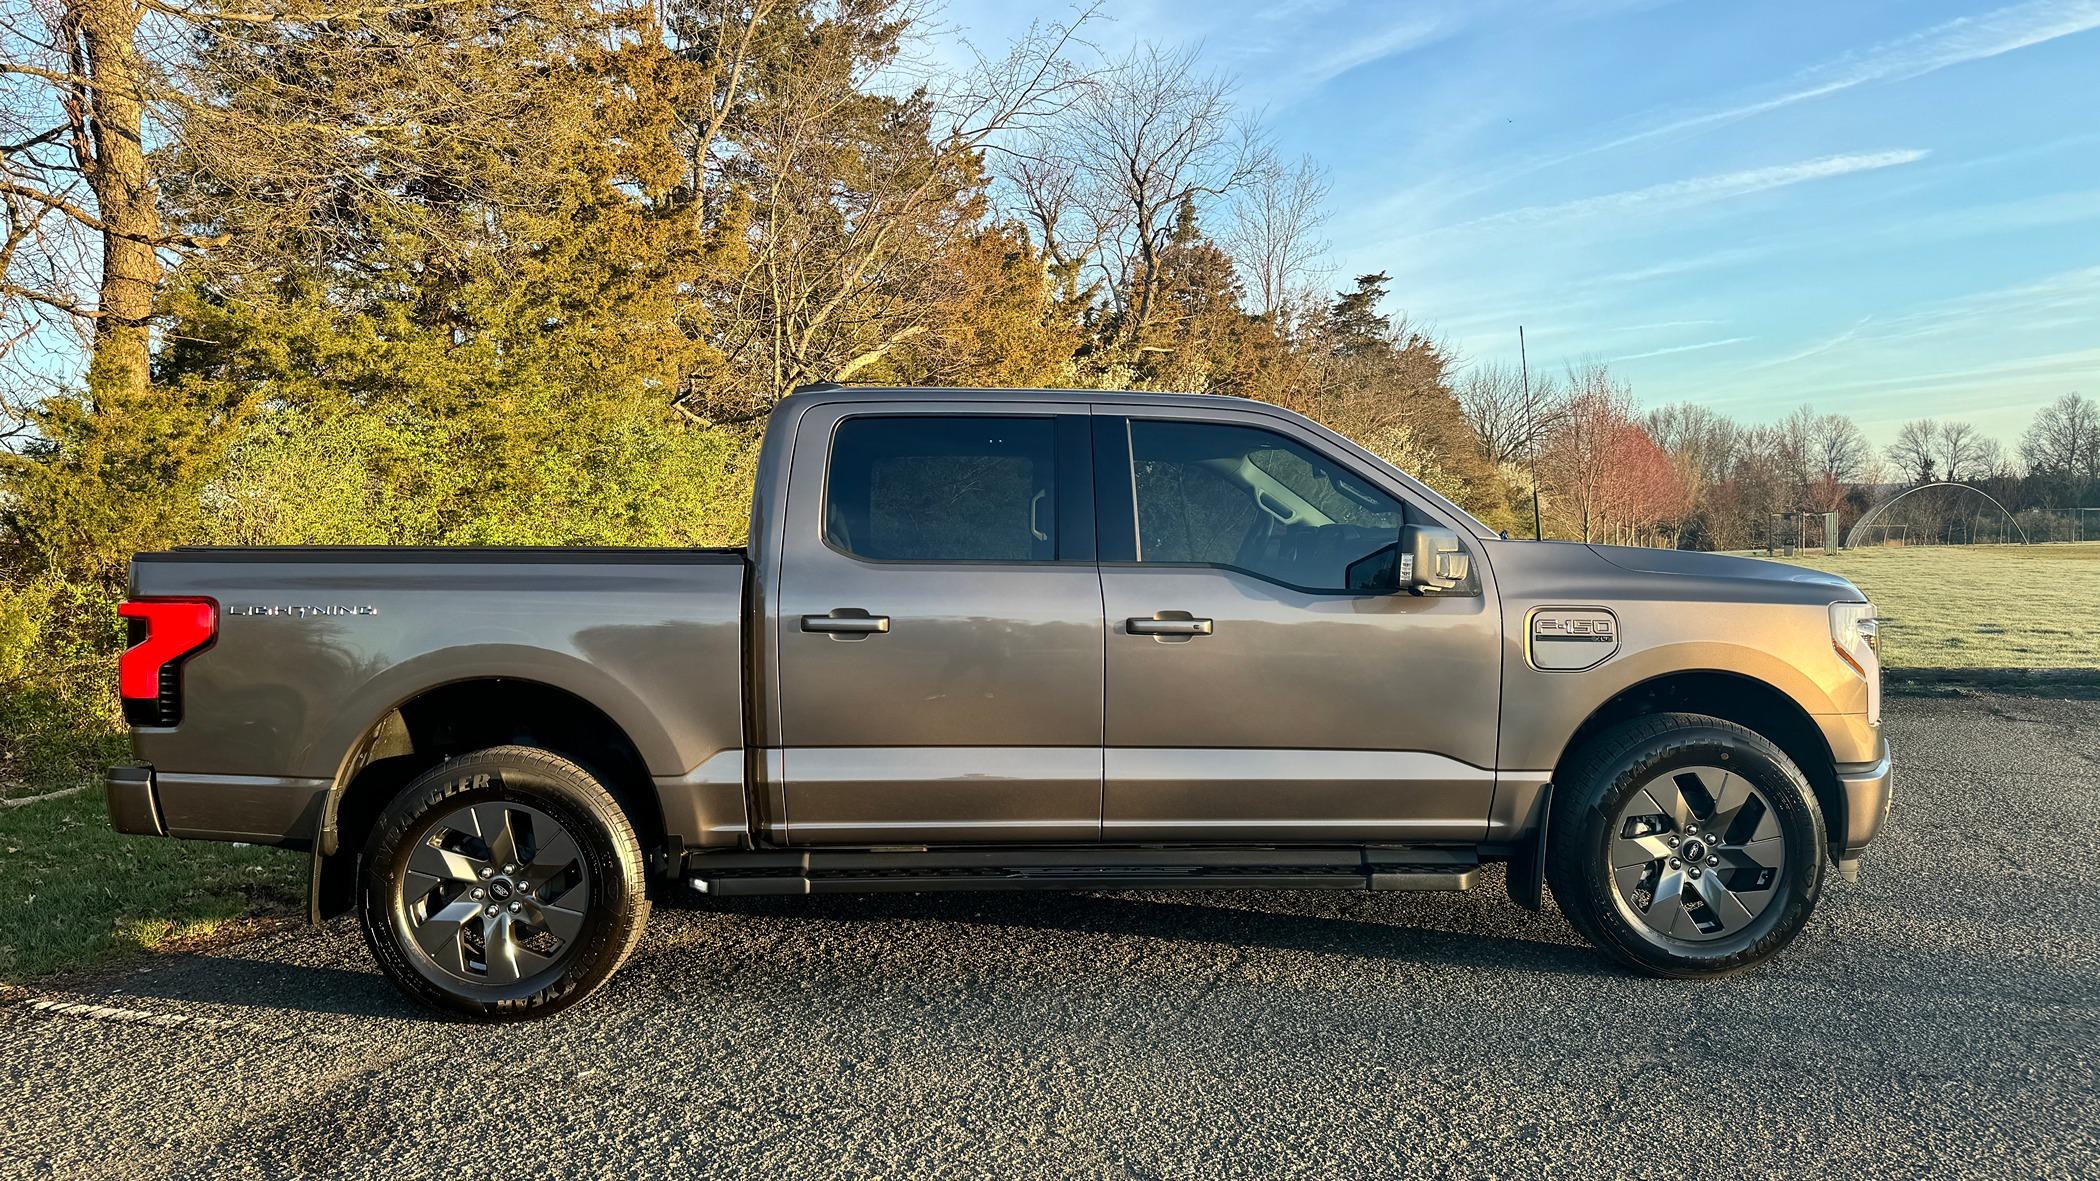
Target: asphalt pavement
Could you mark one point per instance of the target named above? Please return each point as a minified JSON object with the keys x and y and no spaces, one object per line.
{"x":1940,"y":1017}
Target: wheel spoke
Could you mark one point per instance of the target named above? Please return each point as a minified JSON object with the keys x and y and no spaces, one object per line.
{"x":1701,"y":789}
{"x":440,"y":935}
{"x":1666,"y":911}
{"x":493,"y":824}
{"x":1764,"y":854}
{"x":1667,"y":798}
{"x":553,"y":853}
{"x":1627,"y":851}
{"x":564,"y":921}
{"x":1726,"y":907}
{"x":1728,"y":803}
{"x":445,"y":865}
{"x":499,"y":949}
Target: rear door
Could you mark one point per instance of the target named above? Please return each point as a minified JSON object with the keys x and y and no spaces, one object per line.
{"x":1260,"y":685}
{"x":939,"y":629}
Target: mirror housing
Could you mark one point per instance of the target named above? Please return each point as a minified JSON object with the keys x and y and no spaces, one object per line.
{"x":1432,"y":560}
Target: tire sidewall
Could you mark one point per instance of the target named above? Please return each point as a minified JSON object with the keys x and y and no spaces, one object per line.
{"x":1800,"y":880}
{"x":562,"y":792}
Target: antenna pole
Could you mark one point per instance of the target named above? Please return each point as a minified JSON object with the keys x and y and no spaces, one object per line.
{"x":1531,"y":427}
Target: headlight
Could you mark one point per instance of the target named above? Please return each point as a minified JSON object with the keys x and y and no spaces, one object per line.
{"x":1857,"y":636}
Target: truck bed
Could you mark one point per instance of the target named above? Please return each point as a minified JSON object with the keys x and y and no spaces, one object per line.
{"x":318,"y":646}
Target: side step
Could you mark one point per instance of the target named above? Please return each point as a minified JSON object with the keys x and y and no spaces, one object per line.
{"x":925,"y":869}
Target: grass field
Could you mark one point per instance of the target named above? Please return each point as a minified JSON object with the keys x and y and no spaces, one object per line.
{"x":1989,"y":608}
{"x":75,"y":895}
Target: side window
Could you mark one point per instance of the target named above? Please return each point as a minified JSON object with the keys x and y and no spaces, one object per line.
{"x":1243,"y":497}
{"x":931,"y":488}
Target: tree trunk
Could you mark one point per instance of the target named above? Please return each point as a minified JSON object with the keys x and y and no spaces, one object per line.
{"x":113,"y":109}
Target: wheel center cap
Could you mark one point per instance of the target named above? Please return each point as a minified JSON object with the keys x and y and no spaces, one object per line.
{"x":499,"y":889}
{"x":1693,"y":850}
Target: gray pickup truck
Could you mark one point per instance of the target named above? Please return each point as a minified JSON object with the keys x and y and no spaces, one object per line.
{"x":989,"y":639}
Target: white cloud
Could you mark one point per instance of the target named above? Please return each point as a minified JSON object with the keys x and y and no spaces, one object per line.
{"x":1816,"y":349}
{"x":1357,"y":50}
{"x":1698,"y":190}
{"x":1683,"y":348}
{"x":1967,"y":39}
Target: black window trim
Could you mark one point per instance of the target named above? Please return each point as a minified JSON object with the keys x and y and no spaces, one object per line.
{"x":1072,"y":471}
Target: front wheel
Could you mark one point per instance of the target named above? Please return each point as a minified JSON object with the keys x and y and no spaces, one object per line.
{"x":502,"y":885}
{"x":1685,"y":846}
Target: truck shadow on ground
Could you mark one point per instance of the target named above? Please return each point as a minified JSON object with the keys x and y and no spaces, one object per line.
{"x":269,"y":977}
{"x":1391,"y":927}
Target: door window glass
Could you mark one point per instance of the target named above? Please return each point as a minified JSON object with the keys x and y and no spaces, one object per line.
{"x":1221,"y":495}
{"x":934,"y":488}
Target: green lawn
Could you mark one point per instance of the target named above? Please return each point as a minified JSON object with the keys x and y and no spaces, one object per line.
{"x":75,"y":895}
{"x":1995,"y":608}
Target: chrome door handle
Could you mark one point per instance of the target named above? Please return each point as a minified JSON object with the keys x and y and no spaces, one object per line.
{"x":851,"y":625}
{"x":1169,"y":627}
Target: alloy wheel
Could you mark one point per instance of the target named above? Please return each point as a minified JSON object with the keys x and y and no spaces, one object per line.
{"x":1696,"y":854}
{"x":493,"y":893}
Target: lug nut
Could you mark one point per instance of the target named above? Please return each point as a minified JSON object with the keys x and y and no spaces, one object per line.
{"x":1713,"y":861}
{"x":487,"y":873}
{"x":1696,"y":871}
{"x":1676,"y":864}
{"x":509,"y":868}
{"x":515,"y":907}
{"x":492,"y":911}
{"x":1691,"y":829}
{"x":476,"y":892}
{"x":1673,"y":842}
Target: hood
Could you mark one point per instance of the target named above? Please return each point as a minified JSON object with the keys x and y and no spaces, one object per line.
{"x":1694,"y":564}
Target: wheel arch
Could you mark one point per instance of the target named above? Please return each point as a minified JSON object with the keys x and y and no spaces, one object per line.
{"x":455,"y":718}
{"x":1755,"y":705}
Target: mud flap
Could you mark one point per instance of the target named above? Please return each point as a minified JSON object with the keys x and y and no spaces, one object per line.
{"x":1527,"y":869}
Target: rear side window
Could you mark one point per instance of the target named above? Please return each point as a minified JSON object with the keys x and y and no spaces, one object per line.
{"x":932,"y":488}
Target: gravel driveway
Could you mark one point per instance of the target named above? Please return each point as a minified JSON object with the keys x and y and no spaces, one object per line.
{"x":1942,"y":1016}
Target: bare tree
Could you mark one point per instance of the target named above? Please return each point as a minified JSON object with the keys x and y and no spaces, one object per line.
{"x":1577,"y":462}
{"x":1275,"y":232}
{"x":1510,"y":423}
{"x":2064,"y":439}
{"x":853,"y":197}
{"x":1957,"y":448}
{"x":1703,"y":446}
{"x":1149,"y":134}
{"x":73,"y":178}
{"x":1916,"y":450}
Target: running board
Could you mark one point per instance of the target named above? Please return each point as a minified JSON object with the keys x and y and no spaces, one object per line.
{"x":917,"y":869}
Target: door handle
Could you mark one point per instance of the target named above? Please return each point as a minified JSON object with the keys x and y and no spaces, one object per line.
{"x":1169,"y":627}
{"x":837,"y":623}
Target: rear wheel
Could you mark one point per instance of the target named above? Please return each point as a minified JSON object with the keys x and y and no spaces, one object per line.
{"x":502,"y":885}
{"x":1687,"y":846}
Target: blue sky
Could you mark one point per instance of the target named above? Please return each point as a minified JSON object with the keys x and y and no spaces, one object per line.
{"x":1886,"y":208}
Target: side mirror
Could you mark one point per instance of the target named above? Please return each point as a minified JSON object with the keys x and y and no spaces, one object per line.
{"x":1432,"y":560}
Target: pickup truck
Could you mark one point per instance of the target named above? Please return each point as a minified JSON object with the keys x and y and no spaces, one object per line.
{"x":986,"y":639}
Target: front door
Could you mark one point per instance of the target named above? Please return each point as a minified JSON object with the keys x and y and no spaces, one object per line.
{"x":1261,"y":685}
{"x":938,"y":628}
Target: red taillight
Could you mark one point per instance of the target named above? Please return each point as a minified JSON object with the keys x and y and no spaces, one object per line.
{"x":163,"y":631}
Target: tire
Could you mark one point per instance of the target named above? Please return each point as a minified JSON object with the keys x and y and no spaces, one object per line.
{"x":1618,"y":845}
{"x":457,"y":931}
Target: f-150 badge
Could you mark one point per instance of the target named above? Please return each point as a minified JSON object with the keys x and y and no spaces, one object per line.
{"x":1570,"y":639}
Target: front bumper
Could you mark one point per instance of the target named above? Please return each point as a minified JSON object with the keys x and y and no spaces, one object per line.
{"x":1867,"y":788}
